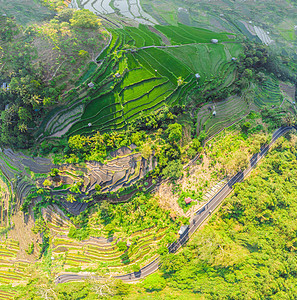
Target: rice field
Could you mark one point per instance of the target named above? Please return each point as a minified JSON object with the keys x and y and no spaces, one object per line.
{"x":139,"y":74}
{"x":128,"y":8}
{"x":87,"y":254}
{"x":12,"y":270}
{"x":268,"y":94}
{"x":227,"y":112}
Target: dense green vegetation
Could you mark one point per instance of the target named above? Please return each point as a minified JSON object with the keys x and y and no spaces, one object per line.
{"x":158,"y":93}
{"x":247,"y":250}
{"x":38,"y":64}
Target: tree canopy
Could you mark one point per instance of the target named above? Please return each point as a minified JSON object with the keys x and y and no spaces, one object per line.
{"x":84,"y":18}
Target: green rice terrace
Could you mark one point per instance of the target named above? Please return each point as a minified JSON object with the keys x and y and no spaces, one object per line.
{"x":117,"y":165}
{"x":13,"y":270}
{"x":138,"y":74}
{"x":107,"y":252}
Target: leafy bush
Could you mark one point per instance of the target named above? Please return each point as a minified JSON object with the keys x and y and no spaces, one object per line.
{"x":30,"y":249}
{"x":154,"y":282}
{"x":122,"y":246}
{"x":173,"y":170}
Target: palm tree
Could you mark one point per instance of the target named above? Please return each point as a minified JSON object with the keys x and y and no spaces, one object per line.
{"x":98,"y":139}
{"x":23,"y":127}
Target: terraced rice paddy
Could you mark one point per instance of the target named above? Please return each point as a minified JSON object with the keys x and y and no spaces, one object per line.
{"x":183,"y":34}
{"x":128,"y":8}
{"x":268,"y":94}
{"x":145,"y":77}
{"x":12,"y":270}
{"x":88,"y":254}
{"x":227,"y":112}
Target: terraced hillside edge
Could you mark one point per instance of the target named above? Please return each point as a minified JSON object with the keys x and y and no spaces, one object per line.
{"x":138,"y":74}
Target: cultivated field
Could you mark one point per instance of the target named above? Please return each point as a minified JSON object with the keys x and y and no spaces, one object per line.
{"x":128,"y":8}
{"x":268,"y":21}
{"x":100,"y":250}
{"x":139,"y":74}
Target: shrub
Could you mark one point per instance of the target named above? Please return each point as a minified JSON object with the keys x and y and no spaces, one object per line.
{"x":154,"y":282}
{"x":30,"y":249}
{"x":98,"y":187}
{"x":122,"y":246}
{"x":54,"y":172}
{"x":136,"y":268}
{"x":47,"y":183}
{"x":173,"y":170}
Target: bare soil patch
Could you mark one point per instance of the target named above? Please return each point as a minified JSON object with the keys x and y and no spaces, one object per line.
{"x":165,"y":40}
{"x":22,"y":232}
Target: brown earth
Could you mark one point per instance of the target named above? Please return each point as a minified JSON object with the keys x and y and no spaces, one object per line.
{"x":22,"y":232}
{"x":164,"y":38}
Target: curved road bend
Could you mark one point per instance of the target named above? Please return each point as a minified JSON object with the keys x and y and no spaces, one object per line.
{"x":200,"y":216}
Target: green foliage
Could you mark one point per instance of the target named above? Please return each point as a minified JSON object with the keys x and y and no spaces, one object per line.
{"x":245,"y":127}
{"x":174,"y":132}
{"x":194,"y":147}
{"x":84,"y":18}
{"x":75,"y":188}
{"x":135,"y":268}
{"x":98,"y":188}
{"x":71,"y":291}
{"x":24,"y":114}
{"x":173,"y":170}
{"x":122,"y":246}
{"x":47,"y":183}
{"x":30,"y":249}
{"x":54,"y":172}
{"x":154,"y":282}
{"x":40,"y":226}
{"x":79,"y":233}
{"x":250,"y":242}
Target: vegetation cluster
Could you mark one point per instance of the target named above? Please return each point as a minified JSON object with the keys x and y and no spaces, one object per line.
{"x":37,"y":64}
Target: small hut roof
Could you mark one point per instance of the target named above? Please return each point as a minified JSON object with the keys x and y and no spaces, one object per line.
{"x":188,"y":200}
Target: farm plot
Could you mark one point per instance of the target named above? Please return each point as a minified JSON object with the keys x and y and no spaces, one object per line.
{"x":227,"y":112}
{"x":64,"y":120}
{"x":263,"y":36}
{"x":268,"y":94}
{"x":142,"y":88}
{"x":148,"y":76}
{"x":12,"y":270}
{"x":183,"y":34}
{"x":128,"y":8}
{"x":110,"y":252}
{"x":209,"y":61}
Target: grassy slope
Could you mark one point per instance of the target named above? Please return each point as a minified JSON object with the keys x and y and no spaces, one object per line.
{"x":26,"y":12}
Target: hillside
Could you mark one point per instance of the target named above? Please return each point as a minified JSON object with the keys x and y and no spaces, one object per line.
{"x":246,"y":251}
{"x":147,"y":143}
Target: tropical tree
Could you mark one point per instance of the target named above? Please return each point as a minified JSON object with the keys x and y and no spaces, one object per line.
{"x":84,"y":18}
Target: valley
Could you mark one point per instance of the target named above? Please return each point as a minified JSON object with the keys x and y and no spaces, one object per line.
{"x":140,"y":142}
